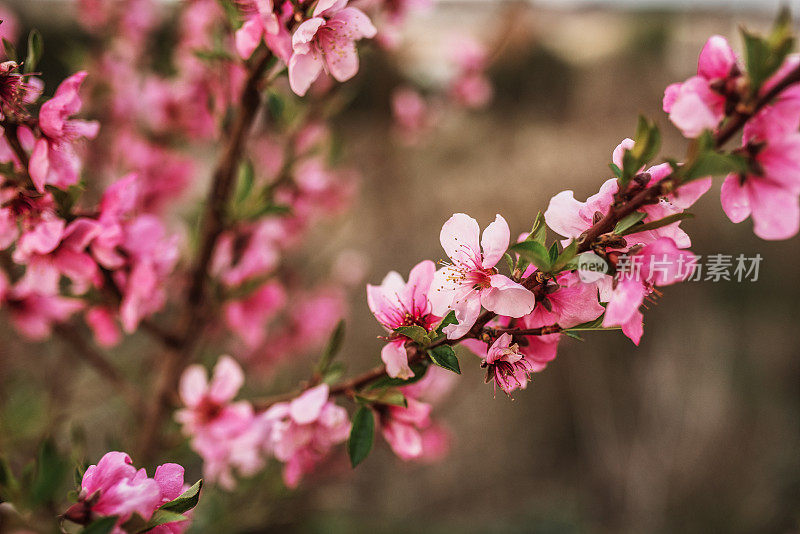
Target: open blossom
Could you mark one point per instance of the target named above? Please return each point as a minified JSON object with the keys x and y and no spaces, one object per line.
{"x":659,"y":263}
{"x":769,"y":192}
{"x":303,"y":431}
{"x":224,"y":433}
{"x":114,"y":487}
{"x":699,"y":103}
{"x":506,"y":365}
{"x":328,"y":41}
{"x":54,"y":160}
{"x":472,"y":280}
{"x":470,"y":87}
{"x":396,"y":303}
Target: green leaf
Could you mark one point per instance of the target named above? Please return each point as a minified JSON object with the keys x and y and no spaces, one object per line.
{"x":646,"y":144}
{"x":764,"y":56}
{"x":647,"y":141}
{"x":539,"y":230}
{"x":51,"y":469}
{"x":712,"y":163}
{"x":615,"y":169}
{"x":445,"y":356}
{"x":509,"y":261}
{"x":104,"y":525}
{"x":534,"y":252}
{"x":332,"y":349}
{"x":565,"y":257}
{"x":161,"y":517}
{"x":590,"y":325}
{"x":415,"y":333}
{"x":10,"y":50}
{"x":448,"y":319}
{"x":553,"y":252}
{"x":419,"y":370}
{"x":245,"y":180}
{"x":185,"y":501}
{"x":392,"y":397}
{"x":35,"y":50}
{"x":657,"y":224}
{"x":628,"y":221}
{"x":362,"y":434}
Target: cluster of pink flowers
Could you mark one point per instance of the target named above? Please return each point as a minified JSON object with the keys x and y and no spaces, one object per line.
{"x":114,"y":487}
{"x":769,"y":191}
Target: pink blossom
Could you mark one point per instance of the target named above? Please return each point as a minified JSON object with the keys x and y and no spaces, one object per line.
{"x":70,"y":258}
{"x":227,"y":435}
{"x":396,"y":303}
{"x":570,"y":218}
{"x":261,"y":21}
{"x":769,"y":192}
{"x":101,"y":321}
{"x":34,"y":313}
{"x":402,"y":427}
{"x":54,"y":160}
{"x":114,"y":487}
{"x":412,"y":114}
{"x":327,"y":41}
{"x":659,"y":263}
{"x":698,"y":104}
{"x":303,"y":431}
{"x":472,"y":280}
{"x":506,"y":365}
{"x":247,"y":317}
{"x":258,"y":253}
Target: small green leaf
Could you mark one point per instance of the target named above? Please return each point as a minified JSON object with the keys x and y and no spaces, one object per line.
{"x":332,"y":349}
{"x":35,"y":50}
{"x":628,"y":221}
{"x":10,"y":50}
{"x":553,"y":252}
{"x":534,"y":252}
{"x":185,"y":501}
{"x":415,"y":333}
{"x":445,"y":356}
{"x":565,"y":257}
{"x":162,"y":517}
{"x":615,"y":169}
{"x":509,"y":261}
{"x":539,"y":230}
{"x":51,"y":469}
{"x":245,"y":180}
{"x":104,"y":525}
{"x":448,"y":319}
{"x":419,"y":370}
{"x":656,"y":224}
{"x":391,"y":397}
{"x":765,"y":56}
{"x":712,"y":163}
{"x":362,"y":435}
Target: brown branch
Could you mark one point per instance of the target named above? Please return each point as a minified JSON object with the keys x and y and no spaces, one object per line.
{"x":212,"y":226}
{"x":587,"y":241}
{"x":740,"y":117}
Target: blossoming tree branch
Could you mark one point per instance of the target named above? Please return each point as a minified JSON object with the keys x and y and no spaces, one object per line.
{"x":89,"y":236}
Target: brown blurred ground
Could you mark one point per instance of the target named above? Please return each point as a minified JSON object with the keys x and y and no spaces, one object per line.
{"x":697,"y":430}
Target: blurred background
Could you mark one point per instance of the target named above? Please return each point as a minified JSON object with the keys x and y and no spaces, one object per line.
{"x":697,"y":430}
